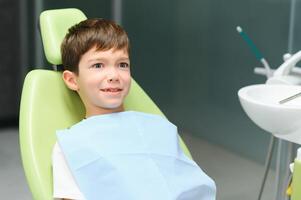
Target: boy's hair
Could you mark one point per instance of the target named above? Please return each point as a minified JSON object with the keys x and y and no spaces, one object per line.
{"x":100,"y":33}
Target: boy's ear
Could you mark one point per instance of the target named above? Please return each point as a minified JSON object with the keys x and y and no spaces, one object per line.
{"x":70,"y":79}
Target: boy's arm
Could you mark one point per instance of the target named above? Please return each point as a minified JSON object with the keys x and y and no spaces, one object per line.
{"x":64,"y":186}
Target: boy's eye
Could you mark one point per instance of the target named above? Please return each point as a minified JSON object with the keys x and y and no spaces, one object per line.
{"x":124,"y":65}
{"x":97,"y":65}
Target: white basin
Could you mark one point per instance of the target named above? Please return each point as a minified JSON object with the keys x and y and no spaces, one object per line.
{"x":261,"y":103}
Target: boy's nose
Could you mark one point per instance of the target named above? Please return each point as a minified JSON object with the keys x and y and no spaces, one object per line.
{"x":111,"y":80}
{"x":113,"y":75}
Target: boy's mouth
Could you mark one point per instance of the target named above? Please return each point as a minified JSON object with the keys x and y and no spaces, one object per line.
{"x":111,"y":89}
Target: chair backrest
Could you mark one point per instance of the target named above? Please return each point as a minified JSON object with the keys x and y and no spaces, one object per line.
{"x":54,"y":25}
{"x":48,"y":105}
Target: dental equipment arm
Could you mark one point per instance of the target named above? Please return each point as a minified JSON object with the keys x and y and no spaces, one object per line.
{"x":262,"y":71}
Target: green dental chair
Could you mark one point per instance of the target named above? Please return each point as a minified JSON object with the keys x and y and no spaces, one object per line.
{"x":48,"y":105}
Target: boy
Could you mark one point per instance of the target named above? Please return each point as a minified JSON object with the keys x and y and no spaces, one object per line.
{"x":98,"y":158}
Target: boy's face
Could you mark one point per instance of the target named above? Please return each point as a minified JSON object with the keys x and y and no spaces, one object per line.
{"x":103,"y":80}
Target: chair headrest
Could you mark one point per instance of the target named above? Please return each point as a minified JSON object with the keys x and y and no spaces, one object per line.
{"x":54,"y":25}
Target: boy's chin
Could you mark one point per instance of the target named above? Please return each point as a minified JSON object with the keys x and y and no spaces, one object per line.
{"x":113,"y":106}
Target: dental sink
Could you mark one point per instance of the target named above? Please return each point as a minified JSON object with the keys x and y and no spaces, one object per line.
{"x":261,"y":103}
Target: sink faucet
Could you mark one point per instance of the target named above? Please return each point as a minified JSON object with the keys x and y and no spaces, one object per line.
{"x":290,"y":62}
{"x":287,"y":72}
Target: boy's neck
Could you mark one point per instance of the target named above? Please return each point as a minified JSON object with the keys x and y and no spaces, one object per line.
{"x":102,"y":111}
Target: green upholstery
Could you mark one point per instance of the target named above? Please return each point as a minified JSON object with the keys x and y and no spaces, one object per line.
{"x":48,"y":105}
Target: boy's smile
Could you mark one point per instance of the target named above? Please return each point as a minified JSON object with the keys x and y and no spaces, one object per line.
{"x":103,"y":80}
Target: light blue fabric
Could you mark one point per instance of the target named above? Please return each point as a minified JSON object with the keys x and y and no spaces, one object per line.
{"x":132,"y":156}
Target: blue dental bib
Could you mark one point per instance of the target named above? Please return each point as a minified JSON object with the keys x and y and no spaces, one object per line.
{"x":132,"y":156}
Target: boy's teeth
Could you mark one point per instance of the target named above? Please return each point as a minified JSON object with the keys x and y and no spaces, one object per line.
{"x":111,"y":90}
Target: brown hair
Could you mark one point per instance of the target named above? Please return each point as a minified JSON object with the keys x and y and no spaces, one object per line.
{"x":100,"y":33}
